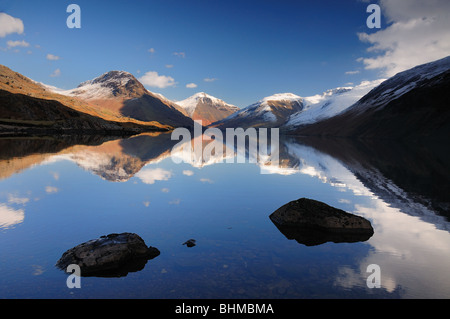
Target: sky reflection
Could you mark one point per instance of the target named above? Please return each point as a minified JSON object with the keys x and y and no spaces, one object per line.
{"x":91,"y":190}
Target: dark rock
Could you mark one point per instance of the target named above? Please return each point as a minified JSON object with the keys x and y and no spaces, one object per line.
{"x":113,"y":255}
{"x":190,"y":243}
{"x":311,"y":222}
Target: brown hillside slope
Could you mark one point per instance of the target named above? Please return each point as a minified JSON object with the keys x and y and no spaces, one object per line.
{"x":27,"y":106}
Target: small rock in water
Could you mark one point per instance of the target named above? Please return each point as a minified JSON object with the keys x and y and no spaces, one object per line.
{"x":113,"y":255}
{"x":190,"y":243}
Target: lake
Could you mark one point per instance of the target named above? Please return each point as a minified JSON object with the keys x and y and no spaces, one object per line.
{"x":58,"y":192}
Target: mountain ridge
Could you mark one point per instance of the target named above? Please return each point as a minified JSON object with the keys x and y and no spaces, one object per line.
{"x":271,"y":111}
{"x":120,"y":93}
{"x":207,"y":108}
{"x":411,"y":104}
{"x":27,"y":106}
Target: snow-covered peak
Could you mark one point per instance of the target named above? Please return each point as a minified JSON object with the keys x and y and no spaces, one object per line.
{"x":285,"y":103}
{"x":337,"y":91}
{"x":426,"y":71}
{"x":108,"y":85}
{"x":202,"y":94}
{"x":264,"y":104}
{"x":191,"y":103}
{"x":310,"y":100}
{"x":330,"y":103}
{"x":281,"y":97}
{"x":402,"y":83}
{"x":111,"y":77}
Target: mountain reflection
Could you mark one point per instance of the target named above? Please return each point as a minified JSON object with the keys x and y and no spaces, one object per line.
{"x":414,"y":179}
{"x":401,"y":188}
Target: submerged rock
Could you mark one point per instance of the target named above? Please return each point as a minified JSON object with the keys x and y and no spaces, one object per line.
{"x":311,"y":223}
{"x":112,"y":255}
{"x":190,"y":243}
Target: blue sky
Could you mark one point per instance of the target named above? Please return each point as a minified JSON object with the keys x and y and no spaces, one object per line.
{"x":239,"y":51}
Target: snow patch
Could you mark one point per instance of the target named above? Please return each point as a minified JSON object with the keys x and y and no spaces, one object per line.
{"x":190,"y":104}
{"x":330,"y":103}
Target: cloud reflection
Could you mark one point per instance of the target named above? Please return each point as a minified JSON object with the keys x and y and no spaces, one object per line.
{"x":151,"y":175}
{"x":10,"y":217}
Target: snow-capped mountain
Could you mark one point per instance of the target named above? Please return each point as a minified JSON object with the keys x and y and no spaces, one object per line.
{"x":120,"y":93}
{"x":425,"y":75}
{"x":329,"y":103}
{"x":271,"y":111}
{"x":112,"y":84}
{"x":288,"y":111}
{"x":413,"y":103}
{"x":207,"y":108}
{"x":29,"y":106}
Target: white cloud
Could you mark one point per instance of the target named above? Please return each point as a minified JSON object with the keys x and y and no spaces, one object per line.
{"x":206,"y":180}
{"x":9,"y":25}
{"x":180,"y":54}
{"x":13,"y":44}
{"x":52,"y":57}
{"x":352,"y":72}
{"x":191,"y":85}
{"x":169,"y":66}
{"x":153,"y":79}
{"x":151,"y":175}
{"x":151,"y":50}
{"x":209,"y":79}
{"x":418,"y":32}
{"x":56,"y":73}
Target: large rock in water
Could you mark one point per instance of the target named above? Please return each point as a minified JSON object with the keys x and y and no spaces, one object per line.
{"x":311,"y":223}
{"x":112,"y":255}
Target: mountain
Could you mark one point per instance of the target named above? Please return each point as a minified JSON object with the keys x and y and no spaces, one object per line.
{"x":412,"y":104}
{"x":272,"y":111}
{"x":29,"y":107}
{"x":287,"y":111}
{"x":207,"y":108}
{"x":329,"y":104}
{"x":121,"y":94}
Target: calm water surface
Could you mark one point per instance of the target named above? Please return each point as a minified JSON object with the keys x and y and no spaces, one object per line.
{"x":58,"y":193}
